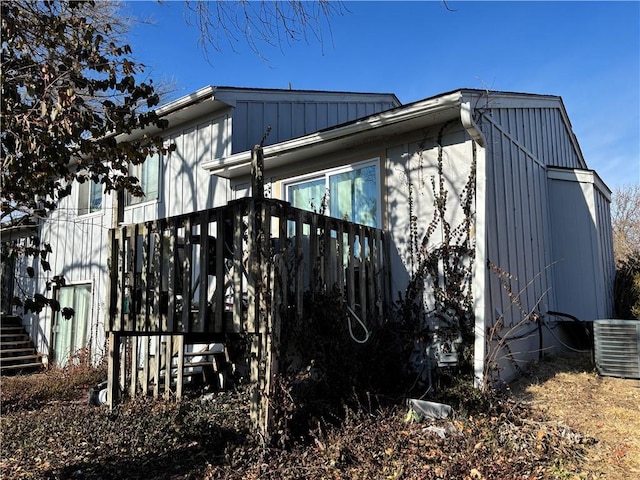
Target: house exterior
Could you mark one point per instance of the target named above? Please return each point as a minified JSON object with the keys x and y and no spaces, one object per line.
{"x":540,"y":218}
{"x":502,"y":173}
{"x":209,"y":124}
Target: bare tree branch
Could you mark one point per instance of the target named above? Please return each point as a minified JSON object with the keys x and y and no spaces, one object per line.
{"x":261,"y":23}
{"x":625,"y":220}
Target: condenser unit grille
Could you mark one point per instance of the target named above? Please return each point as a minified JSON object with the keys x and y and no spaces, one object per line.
{"x":617,"y":347}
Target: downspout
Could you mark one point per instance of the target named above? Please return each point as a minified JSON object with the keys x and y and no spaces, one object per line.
{"x":479,"y":273}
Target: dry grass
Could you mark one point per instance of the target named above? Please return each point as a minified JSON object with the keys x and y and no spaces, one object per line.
{"x":562,"y":422}
{"x":568,"y":389}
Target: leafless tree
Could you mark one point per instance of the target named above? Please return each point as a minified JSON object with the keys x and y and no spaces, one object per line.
{"x":625,"y":220}
{"x":260,"y":23}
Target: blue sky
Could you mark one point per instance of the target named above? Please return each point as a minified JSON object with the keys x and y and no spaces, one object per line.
{"x":586,"y":52}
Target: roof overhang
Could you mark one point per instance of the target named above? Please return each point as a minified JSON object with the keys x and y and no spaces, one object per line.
{"x":17,"y":229}
{"x":394,"y":122}
{"x":181,"y":111}
{"x":580,"y":176}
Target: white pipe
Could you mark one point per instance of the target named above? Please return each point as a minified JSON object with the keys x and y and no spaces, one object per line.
{"x":479,"y":272}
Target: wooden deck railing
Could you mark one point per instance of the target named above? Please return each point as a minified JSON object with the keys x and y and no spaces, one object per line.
{"x":233,"y":269}
{"x":200,"y":272}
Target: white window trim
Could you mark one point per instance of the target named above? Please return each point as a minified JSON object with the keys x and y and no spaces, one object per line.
{"x":84,"y":190}
{"x":142,"y":201}
{"x":337,"y":170}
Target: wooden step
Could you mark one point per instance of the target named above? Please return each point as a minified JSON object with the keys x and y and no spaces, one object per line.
{"x":13,"y":343}
{"x":10,"y":321}
{"x":17,"y":352}
{"x":11,"y":337}
{"x":9,"y":353}
{"x":203,"y":363}
{"x":203,"y":353}
{"x":12,"y":329}
{"x":21,"y":366}
{"x":17,"y":359}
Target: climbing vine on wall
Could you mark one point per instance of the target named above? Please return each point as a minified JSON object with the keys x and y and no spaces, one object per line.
{"x":442,"y":268}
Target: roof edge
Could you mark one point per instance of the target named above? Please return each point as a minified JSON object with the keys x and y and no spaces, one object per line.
{"x":223,"y":167}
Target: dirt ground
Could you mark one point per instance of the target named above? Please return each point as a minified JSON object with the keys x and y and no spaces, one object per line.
{"x":568,"y":389}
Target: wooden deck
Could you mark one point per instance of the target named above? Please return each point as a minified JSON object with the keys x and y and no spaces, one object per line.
{"x":230,"y":270}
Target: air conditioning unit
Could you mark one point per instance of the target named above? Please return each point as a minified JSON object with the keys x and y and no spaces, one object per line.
{"x":617,"y":347}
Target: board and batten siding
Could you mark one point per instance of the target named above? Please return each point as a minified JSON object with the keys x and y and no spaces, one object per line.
{"x":530,"y":220}
{"x":79,"y":254}
{"x":582,"y":244}
{"x":537,"y":123}
{"x":184,"y":185}
{"x":290,"y":119}
{"x":414,"y":163}
{"x":518,"y":245}
{"x":542,"y":132}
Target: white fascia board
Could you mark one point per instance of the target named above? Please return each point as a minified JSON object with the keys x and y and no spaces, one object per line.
{"x":230,"y":166}
{"x":182,"y":102}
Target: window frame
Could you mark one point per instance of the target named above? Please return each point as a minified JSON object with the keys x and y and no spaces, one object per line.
{"x":139,"y":172}
{"x":328,"y":173}
{"x":80,"y":324}
{"x":86,"y":190}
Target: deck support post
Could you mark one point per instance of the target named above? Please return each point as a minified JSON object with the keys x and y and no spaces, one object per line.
{"x":263,"y":366}
{"x":180,"y":377}
{"x":168,"y":355}
{"x":113,"y":369}
{"x":134,"y":366}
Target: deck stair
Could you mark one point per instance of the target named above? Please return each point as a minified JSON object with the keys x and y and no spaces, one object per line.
{"x":202,"y":363}
{"x":17,"y":351}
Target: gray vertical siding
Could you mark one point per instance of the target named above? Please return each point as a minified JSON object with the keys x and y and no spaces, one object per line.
{"x":517,"y":238}
{"x":289,"y":119}
{"x":551,"y":237}
{"x":542,"y":131}
{"x":582,"y":244}
{"x":603,"y":215}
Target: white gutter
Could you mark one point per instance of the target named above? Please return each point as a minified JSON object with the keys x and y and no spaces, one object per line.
{"x":389,"y":118}
{"x":466,"y":117}
{"x":182,"y":102}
